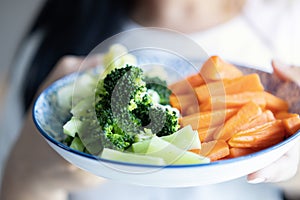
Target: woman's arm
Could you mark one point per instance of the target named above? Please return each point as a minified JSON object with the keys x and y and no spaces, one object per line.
{"x":34,"y":170}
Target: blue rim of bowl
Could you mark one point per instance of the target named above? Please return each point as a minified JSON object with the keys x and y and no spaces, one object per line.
{"x":70,"y":77}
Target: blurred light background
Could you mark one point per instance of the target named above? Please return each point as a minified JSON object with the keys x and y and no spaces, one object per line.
{"x":15,"y":18}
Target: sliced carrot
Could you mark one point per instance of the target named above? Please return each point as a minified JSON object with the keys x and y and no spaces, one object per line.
{"x":206,"y":134}
{"x":231,"y":110}
{"x":237,"y":152}
{"x":207,"y":119}
{"x":181,"y":87}
{"x":195,"y":80}
{"x":233,"y":101}
{"x":174,"y":102}
{"x":265,"y":117}
{"x":259,"y":137}
{"x":208,"y":90}
{"x":183,"y":102}
{"x":291,"y":125}
{"x":247,"y":83}
{"x":186,"y":85}
{"x":196,"y":151}
{"x":274,"y":103}
{"x":215,"y":149}
{"x":285,"y":115}
{"x":245,"y":115}
{"x":191,"y":109}
{"x":216,"y":69}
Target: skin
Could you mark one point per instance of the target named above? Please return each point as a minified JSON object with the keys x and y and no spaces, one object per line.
{"x":40,"y":173}
{"x":197,"y":15}
{"x":186,"y":16}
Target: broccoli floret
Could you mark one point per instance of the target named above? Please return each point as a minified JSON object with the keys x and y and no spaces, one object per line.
{"x":164,"y":121}
{"x":133,"y":76}
{"x":118,"y":97}
{"x":129,"y":94}
{"x":119,"y":138}
{"x":125,"y":109}
{"x":171,"y":123}
{"x":159,"y":86}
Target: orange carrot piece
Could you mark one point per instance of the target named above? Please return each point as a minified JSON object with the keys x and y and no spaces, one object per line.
{"x":207,"y":119}
{"x":186,"y":85}
{"x":247,"y":83}
{"x":275,"y":104}
{"x":233,"y":101}
{"x":238,"y":152}
{"x":291,"y":125}
{"x":196,"y":151}
{"x":285,"y":115}
{"x":216,"y":69}
{"x":195,"y":80}
{"x":181,"y":87}
{"x":265,"y":117}
{"x":206,"y":134}
{"x":192,"y":109}
{"x":246,"y":114}
{"x":215,"y":149}
{"x":208,"y":90}
{"x":183,"y":102}
{"x":259,"y":137}
{"x":174,"y":102}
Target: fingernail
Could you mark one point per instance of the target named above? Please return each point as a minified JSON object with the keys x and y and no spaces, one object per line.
{"x":257,"y":180}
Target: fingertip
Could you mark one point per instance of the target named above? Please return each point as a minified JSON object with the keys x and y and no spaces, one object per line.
{"x":279,"y":68}
{"x":256,"y":180}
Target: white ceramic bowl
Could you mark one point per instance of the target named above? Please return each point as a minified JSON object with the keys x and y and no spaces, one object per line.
{"x":49,"y":119}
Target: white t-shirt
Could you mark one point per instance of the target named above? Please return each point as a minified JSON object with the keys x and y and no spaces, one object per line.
{"x":265,"y":30}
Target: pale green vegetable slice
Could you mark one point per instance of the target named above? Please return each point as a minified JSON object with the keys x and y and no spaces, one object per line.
{"x":140,"y":147}
{"x":83,"y":86}
{"x":172,"y":154}
{"x":185,"y":138}
{"x":77,"y":144}
{"x":115,"y":155}
{"x":72,"y":127}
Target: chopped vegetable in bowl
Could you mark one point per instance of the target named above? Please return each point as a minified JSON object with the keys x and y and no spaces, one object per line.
{"x":197,"y":153}
{"x":127,"y":109}
{"x":131,"y":116}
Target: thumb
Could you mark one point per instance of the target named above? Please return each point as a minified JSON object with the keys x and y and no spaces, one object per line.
{"x":282,"y":169}
{"x":286,"y":72}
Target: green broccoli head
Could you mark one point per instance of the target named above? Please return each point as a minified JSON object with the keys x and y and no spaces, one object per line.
{"x":119,"y":138}
{"x":125,"y":109}
{"x":128,"y":77}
